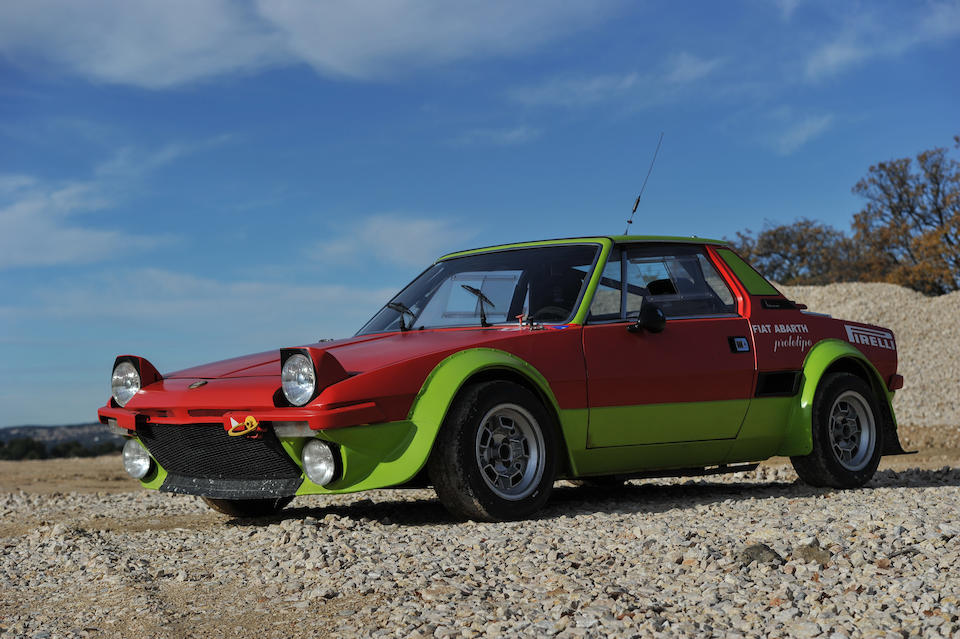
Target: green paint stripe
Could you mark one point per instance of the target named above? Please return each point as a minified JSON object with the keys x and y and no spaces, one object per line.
{"x":624,"y":239}
{"x":507,"y":247}
{"x":600,"y":239}
{"x":665,"y":423}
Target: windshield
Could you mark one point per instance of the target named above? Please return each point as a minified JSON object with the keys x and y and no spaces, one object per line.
{"x":544,"y":284}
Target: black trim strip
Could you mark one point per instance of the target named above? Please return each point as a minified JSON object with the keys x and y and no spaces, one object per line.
{"x":231,"y":488}
{"x":779,"y":384}
{"x":781,"y":304}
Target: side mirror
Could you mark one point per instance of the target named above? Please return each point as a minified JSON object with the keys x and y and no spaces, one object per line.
{"x":651,"y":319}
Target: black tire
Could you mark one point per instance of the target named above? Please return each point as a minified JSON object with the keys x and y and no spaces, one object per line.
{"x":847,"y":434}
{"x":478,"y":473}
{"x":245,"y":508}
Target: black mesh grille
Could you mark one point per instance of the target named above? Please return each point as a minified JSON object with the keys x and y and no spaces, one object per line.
{"x":206,"y":451}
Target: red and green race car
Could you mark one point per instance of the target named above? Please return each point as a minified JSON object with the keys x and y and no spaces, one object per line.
{"x":500,"y":370}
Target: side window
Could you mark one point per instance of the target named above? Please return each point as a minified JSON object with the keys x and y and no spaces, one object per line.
{"x":606,"y":300}
{"x":679,"y":279}
{"x":716,"y":283}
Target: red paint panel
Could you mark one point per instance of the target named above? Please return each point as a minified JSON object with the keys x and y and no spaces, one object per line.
{"x":690,"y":361}
{"x":783,"y":338}
{"x":268,"y":362}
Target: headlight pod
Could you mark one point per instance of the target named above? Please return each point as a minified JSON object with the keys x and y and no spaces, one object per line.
{"x":130,"y":374}
{"x":298,"y":379}
{"x":305,"y":372}
{"x":125,"y":382}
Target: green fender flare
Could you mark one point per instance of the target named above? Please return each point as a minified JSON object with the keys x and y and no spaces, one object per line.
{"x":442,"y":385}
{"x":389,"y":454}
{"x":798,"y":439}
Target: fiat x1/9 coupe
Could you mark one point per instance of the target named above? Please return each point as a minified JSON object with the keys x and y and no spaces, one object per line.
{"x":499,"y":370}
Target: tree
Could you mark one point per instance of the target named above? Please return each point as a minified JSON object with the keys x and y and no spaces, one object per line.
{"x":23,"y":448}
{"x":805,"y":252}
{"x":907,"y":233}
{"x":910,"y":225}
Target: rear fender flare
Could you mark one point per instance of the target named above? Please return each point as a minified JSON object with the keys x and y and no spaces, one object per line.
{"x":798,"y":439}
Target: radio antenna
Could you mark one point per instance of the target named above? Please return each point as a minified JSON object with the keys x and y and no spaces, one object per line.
{"x":644,"y":186}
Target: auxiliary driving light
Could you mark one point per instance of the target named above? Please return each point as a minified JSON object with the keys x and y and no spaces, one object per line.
{"x":319,"y":462}
{"x":136,"y":459}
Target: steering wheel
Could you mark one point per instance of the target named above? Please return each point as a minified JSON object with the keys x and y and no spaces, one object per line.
{"x":557,"y":312}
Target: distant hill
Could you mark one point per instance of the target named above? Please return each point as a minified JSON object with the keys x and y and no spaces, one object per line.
{"x":89,"y":435}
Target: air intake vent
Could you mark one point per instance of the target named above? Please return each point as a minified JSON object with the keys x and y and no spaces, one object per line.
{"x":205,"y":451}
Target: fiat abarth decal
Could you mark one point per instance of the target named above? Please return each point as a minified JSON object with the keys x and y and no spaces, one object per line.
{"x":500,"y":370}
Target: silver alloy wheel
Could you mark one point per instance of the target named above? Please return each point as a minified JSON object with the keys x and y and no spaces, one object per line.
{"x":510,"y":451}
{"x":853,"y":430}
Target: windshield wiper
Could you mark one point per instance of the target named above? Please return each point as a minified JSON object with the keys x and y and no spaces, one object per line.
{"x":401,"y":308}
{"x":483,"y":298}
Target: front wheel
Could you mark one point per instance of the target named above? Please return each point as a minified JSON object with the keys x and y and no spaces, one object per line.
{"x":495,"y":457}
{"x":846,"y":434}
{"x":248,"y":507}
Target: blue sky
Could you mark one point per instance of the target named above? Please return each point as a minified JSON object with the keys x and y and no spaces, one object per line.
{"x":190,"y":181}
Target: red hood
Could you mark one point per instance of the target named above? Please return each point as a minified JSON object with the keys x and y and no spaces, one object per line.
{"x":355,"y":354}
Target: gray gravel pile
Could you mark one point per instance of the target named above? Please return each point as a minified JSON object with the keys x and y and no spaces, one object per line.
{"x":928,"y":341}
{"x":747,"y":555}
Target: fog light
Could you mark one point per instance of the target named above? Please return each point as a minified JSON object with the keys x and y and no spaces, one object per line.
{"x":319,"y":462}
{"x":136,"y":459}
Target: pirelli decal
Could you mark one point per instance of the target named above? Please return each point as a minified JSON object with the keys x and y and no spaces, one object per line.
{"x":870,"y":337}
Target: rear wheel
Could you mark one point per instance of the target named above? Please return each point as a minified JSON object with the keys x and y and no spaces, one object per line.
{"x":846,"y":434}
{"x":495,"y":457}
{"x":248,"y":507}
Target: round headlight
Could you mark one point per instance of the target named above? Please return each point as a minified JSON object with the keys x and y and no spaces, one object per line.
{"x":136,"y":459}
{"x":298,"y":379}
{"x":319,"y":462}
{"x":125,"y":382}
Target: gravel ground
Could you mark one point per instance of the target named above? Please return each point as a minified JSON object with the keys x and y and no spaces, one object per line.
{"x":655,"y":558}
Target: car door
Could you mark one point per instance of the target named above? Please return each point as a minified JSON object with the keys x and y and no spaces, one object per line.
{"x":692,"y":381}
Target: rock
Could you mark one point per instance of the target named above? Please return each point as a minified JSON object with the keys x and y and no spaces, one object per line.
{"x":812,"y":552}
{"x":760,"y":553}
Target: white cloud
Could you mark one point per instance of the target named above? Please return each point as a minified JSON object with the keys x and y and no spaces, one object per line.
{"x":576,"y":91}
{"x":798,"y":133}
{"x":152,"y":44}
{"x":131,"y":162}
{"x":186,"y":300}
{"x":395,"y":238}
{"x":36,"y":228}
{"x":866,"y":36}
{"x":12,"y":183}
{"x":41,"y":221}
{"x":787,"y":8}
{"x":834,"y":57}
{"x":510,"y":136}
{"x":163,"y":43}
{"x":686,"y":68}
{"x":374,"y":39}
{"x":679,"y":72}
